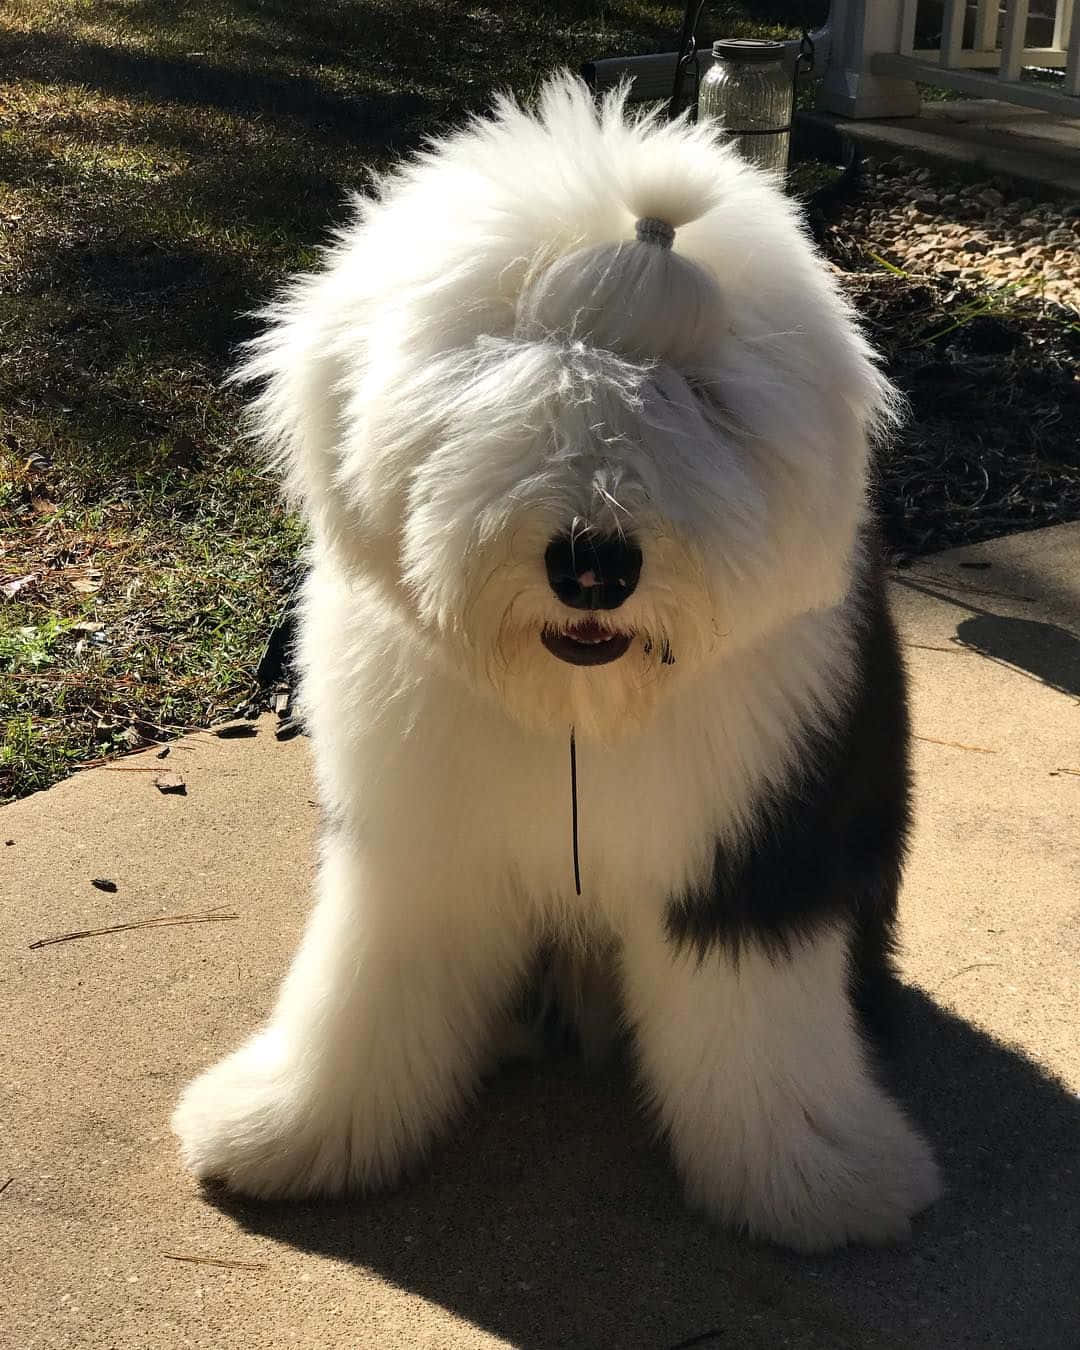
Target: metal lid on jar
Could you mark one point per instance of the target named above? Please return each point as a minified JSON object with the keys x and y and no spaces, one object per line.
{"x":756,"y":50}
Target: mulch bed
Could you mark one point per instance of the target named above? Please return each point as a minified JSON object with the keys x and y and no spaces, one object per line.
{"x":991,"y":444}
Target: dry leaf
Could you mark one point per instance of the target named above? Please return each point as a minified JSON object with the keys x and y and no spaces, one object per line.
{"x":170,"y":781}
{"x":12,"y":588}
{"x":84,"y":579}
{"x":87,"y":627}
{"x":36,"y":463}
{"x":104,"y":884}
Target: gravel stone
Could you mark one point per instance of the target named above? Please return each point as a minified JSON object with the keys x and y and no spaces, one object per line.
{"x":928,"y":223}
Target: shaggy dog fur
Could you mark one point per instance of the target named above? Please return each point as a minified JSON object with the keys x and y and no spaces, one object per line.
{"x":562,"y":476}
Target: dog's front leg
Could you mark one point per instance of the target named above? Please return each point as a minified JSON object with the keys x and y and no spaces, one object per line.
{"x":763,"y":1085}
{"x":376,"y":1039}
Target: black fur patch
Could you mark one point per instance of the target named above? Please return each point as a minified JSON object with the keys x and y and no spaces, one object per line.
{"x":832,"y":843}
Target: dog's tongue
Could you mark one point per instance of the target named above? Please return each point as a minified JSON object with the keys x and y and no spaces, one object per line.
{"x":588,"y":630}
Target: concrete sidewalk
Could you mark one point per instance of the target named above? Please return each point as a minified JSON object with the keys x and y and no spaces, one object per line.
{"x":551,"y":1219}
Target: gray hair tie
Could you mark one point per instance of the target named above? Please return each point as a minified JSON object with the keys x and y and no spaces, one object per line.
{"x":649,"y":230}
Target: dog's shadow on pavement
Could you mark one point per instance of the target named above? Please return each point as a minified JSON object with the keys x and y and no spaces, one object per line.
{"x":552,"y":1218}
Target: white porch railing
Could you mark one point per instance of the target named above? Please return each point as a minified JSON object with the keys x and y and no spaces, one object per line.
{"x":872,"y":68}
{"x":875,"y":63}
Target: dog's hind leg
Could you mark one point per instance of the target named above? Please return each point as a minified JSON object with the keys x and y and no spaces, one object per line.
{"x":377,"y":1039}
{"x":762,"y":1083}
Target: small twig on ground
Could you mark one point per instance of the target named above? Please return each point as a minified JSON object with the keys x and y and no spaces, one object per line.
{"x":214,"y":1261}
{"x":930,"y":647}
{"x":110,"y":761}
{"x":215,"y":915}
{"x":957,"y":745}
{"x":6,"y":1184}
{"x":1074,"y":772}
{"x":975,"y":965}
{"x":131,"y":768}
{"x":176,"y":728}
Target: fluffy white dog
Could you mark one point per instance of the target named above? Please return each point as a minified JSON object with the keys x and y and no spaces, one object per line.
{"x":580,"y":424}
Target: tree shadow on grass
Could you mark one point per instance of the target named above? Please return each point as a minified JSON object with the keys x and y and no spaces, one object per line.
{"x":368,"y":119}
{"x":137,"y":271}
{"x":411,"y":26}
{"x":552,"y":1219}
{"x":376,"y":75}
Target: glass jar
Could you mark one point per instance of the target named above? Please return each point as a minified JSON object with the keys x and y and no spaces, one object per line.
{"x":750,"y":94}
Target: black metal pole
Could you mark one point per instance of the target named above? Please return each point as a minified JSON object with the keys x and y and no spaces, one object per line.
{"x":685,"y":49}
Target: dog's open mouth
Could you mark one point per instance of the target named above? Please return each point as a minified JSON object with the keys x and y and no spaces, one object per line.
{"x":586,"y":643}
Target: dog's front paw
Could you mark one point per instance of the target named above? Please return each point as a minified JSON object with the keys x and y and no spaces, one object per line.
{"x":252,"y":1123}
{"x":818,"y":1182}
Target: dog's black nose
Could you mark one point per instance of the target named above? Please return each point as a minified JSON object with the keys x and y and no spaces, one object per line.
{"x":592,"y":571}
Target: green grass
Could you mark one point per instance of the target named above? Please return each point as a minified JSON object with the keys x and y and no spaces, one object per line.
{"x":162,"y":167}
